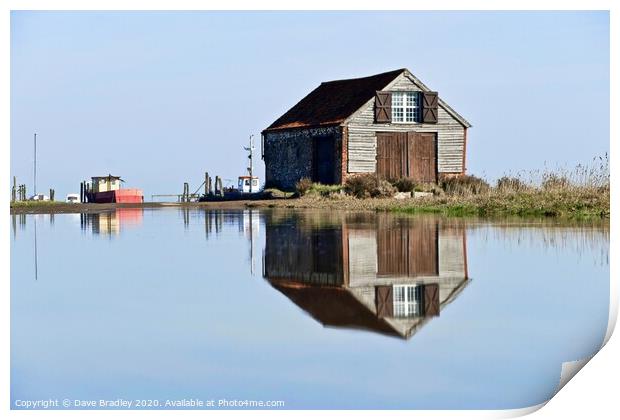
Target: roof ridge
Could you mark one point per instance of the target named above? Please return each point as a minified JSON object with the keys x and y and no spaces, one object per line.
{"x":332,"y":103}
{"x":397,"y":71}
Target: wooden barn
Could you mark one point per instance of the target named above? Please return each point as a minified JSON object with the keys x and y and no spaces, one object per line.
{"x":391,"y":124}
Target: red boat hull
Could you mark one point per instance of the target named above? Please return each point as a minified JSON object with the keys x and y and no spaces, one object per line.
{"x":123,"y":195}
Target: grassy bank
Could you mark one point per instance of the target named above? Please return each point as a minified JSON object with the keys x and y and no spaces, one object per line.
{"x":534,"y":203}
{"x":492,"y":204}
{"x":581,"y":193}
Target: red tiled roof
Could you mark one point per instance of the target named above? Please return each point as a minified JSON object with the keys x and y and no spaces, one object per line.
{"x":333,"y":102}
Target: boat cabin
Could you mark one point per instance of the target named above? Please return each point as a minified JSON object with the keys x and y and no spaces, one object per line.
{"x":247,"y":184}
{"x":105,"y":183}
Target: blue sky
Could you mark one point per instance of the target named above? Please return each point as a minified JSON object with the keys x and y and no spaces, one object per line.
{"x":161,"y":97}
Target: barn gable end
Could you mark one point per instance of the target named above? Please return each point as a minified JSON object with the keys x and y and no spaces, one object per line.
{"x":332,"y":133}
{"x":362,"y":138}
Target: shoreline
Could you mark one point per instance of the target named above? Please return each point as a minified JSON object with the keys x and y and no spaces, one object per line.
{"x":60,"y":207}
{"x":523,"y":205}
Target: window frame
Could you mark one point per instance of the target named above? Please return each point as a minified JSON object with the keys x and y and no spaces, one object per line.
{"x":410,"y":306}
{"x":416,"y":110}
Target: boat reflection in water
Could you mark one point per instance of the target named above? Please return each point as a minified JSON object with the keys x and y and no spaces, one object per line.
{"x":375,"y":272}
{"x":112,"y":222}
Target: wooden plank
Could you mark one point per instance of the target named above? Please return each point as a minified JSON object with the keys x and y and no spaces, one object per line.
{"x":392,"y":246}
{"x":431,"y":299}
{"x":422,"y":157}
{"x":407,"y":249}
{"x":384,"y":301}
{"x":392,"y":155}
{"x":423,"y":247}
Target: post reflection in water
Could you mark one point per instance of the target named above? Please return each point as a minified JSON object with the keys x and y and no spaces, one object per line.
{"x":111,"y":223}
{"x":373,"y":272}
{"x":248,"y":224}
{"x":22,"y":226}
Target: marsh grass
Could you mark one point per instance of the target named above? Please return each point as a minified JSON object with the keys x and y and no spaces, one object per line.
{"x":581,"y":193}
{"x":36,"y":203}
{"x":325,"y":190}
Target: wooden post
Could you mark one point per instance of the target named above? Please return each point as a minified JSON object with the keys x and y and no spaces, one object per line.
{"x":206,"y":184}
{"x":52,"y":194}
{"x":185,"y":198}
{"x":219,"y":191}
{"x":14,"y":190}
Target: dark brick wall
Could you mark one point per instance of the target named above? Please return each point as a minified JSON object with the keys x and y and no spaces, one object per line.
{"x":288,"y":155}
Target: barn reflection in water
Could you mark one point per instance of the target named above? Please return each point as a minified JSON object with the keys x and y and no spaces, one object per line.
{"x":374,"y":272}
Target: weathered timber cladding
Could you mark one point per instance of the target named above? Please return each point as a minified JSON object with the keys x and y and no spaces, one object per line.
{"x":289,"y":155}
{"x":362,"y":134}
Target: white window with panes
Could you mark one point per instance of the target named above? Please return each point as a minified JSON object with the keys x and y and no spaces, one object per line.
{"x":406,"y":107}
{"x":407,"y":301}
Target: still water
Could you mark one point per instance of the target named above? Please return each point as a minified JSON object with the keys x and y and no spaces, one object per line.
{"x":315,"y":309}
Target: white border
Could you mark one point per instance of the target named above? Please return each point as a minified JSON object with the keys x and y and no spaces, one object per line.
{"x":593,"y":394}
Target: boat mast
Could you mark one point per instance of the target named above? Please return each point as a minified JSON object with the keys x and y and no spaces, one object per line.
{"x":35,"y":164}
{"x":250,"y":157}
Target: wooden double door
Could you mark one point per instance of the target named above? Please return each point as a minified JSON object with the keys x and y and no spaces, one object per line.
{"x":407,"y":249}
{"x":407,"y":154}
